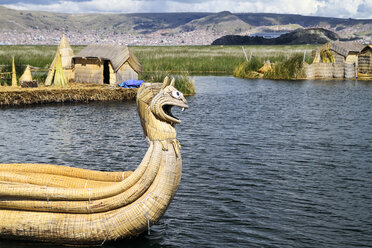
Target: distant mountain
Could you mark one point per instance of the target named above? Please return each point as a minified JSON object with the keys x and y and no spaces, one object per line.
{"x":133,"y":23}
{"x":219,"y":23}
{"x":160,"y":28}
{"x":297,"y":37}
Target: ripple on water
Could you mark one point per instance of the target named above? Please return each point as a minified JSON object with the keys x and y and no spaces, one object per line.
{"x":265,"y":164}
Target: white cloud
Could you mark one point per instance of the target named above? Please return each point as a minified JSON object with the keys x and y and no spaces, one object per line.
{"x":346,"y":8}
{"x":331,"y":8}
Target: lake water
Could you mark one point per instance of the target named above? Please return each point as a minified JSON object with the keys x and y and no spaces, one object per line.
{"x":265,"y":163}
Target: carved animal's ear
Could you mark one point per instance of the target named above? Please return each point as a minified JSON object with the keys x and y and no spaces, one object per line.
{"x":165,"y":82}
{"x":173,"y":81}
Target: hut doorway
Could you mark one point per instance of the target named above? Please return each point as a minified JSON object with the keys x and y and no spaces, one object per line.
{"x":106,"y":72}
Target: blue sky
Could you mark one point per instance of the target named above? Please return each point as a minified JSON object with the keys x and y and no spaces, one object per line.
{"x":330,"y":8}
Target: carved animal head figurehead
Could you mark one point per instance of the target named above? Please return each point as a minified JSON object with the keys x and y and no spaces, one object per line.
{"x":155,"y":102}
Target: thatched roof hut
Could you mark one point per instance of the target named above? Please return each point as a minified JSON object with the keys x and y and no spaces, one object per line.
{"x":340,"y":60}
{"x":66,"y":53}
{"x":348,"y":50}
{"x":341,"y":52}
{"x":106,"y":64}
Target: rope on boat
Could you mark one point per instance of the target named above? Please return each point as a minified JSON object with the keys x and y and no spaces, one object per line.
{"x":88,"y":202}
{"x":50,"y":178}
{"x":108,"y":233}
{"x":52,"y":189}
{"x":148,"y":224}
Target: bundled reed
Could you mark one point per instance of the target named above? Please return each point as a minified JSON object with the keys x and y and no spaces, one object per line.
{"x":323,"y":70}
{"x":338,"y":70}
{"x":72,"y":93}
{"x":248,"y":69}
{"x":74,"y":206}
{"x":309,"y":71}
{"x":183,"y":81}
{"x":350,"y":71}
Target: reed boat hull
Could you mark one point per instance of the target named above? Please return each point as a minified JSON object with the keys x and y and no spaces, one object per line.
{"x":124,"y":221}
{"x":59,"y":204}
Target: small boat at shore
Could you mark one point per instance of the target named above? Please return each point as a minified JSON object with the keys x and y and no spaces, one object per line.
{"x":73,"y":206}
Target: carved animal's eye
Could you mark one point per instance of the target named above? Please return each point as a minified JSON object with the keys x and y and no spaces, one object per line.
{"x":176,"y":94}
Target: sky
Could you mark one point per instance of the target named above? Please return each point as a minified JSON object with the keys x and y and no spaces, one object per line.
{"x":361,"y":9}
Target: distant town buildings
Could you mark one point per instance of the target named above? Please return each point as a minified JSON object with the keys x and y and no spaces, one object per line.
{"x":157,"y":38}
{"x":47,"y":37}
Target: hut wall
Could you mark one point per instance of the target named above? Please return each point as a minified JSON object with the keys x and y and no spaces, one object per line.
{"x":309,"y":71}
{"x":326,"y":70}
{"x":352,"y":58}
{"x":70,"y":74}
{"x":365,"y":62}
{"x":338,"y":70}
{"x":125,"y":73}
{"x":88,"y":71}
{"x":338,"y":57}
{"x":349,"y":71}
{"x":323,"y":70}
{"x":112,"y":75}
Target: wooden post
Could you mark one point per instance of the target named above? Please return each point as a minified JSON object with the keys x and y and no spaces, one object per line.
{"x":245,"y":54}
{"x":356,"y":69}
{"x":14,"y":75}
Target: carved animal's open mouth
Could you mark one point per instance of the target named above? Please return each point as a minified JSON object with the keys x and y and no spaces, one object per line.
{"x":167,"y":108}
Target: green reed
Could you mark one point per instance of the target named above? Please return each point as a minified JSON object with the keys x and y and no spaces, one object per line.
{"x":159,"y":60}
{"x":192,"y":59}
{"x":183,"y":81}
{"x":282,"y":68}
{"x":211,"y":60}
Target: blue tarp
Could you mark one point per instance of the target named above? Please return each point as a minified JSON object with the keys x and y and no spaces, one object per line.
{"x":131,"y":83}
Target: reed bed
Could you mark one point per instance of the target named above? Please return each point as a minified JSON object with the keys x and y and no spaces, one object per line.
{"x":71,"y":93}
{"x":161,"y":61}
{"x":282,"y":67}
{"x":36,"y":56}
{"x":291,"y":68}
{"x":249,"y":69}
{"x":210,"y":60}
{"x":195,"y":60}
{"x":183,"y":81}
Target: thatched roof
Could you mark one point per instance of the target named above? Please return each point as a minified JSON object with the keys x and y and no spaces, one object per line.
{"x":26,"y":76}
{"x":66,"y":52}
{"x":344,"y":48}
{"x":59,"y":78}
{"x":118,"y":55}
{"x":369,"y":47}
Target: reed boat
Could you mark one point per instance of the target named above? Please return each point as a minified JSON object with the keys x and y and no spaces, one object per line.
{"x":73,"y":206}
